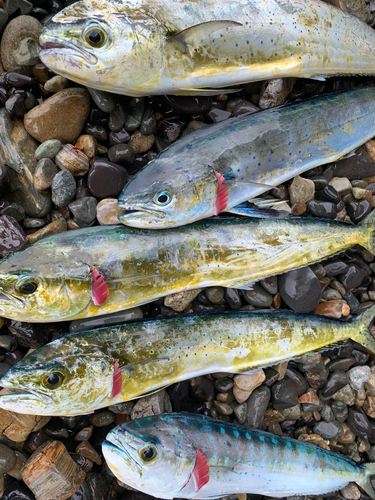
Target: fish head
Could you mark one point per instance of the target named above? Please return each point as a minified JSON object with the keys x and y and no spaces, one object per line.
{"x":160,"y":197}
{"x":103,"y":45}
{"x":60,"y":378}
{"x":41,"y":283}
{"x":141,"y":452}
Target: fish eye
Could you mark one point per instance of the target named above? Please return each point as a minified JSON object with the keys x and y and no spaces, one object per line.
{"x":95,"y":37}
{"x":148,"y":454}
{"x":53,"y":380}
{"x":163,"y":198}
{"x":26,"y":285}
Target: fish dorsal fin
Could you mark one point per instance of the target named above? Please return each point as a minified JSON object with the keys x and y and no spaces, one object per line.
{"x":200,"y":472}
{"x":195,"y":34}
{"x":222,"y":194}
{"x":99,"y":288}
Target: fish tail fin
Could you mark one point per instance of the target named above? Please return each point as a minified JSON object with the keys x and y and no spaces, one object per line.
{"x":364,"y":481}
{"x":368,"y":228}
{"x":362,"y":333}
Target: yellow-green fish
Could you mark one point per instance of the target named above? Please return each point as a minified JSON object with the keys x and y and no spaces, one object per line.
{"x":91,"y":369}
{"x":142,"y":47}
{"x":93,"y":271}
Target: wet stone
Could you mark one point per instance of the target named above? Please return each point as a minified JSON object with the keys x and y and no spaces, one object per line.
{"x":272,"y":376}
{"x":357,"y":166}
{"x":353,"y":277}
{"x":48,"y":149}
{"x":56,"y":430}
{"x":224,"y":384}
{"x":7,"y":459}
{"x":84,"y":211}
{"x":86,"y":450}
{"x":270,"y":284}
{"x":107,"y":211}
{"x":106,"y":179}
{"x":342,"y":185}
{"x":215,"y":294}
{"x":148,"y":124}
{"x":358,"y":423}
{"x":358,"y":376}
{"x":119,"y":137}
{"x":329,"y":430}
{"x":122,"y":154}
{"x":301,"y":190}
{"x":358,"y":211}
{"x":190,"y":105}
{"x":322,"y":209}
{"x":116,"y":118}
{"x":98,"y":486}
{"x":240,"y":411}
{"x":219,"y":115}
{"x":152,"y":405}
{"x":102,"y":418}
{"x":327,"y":414}
{"x":15,"y":106}
{"x":12,"y":236}
{"x":335,"y":382}
{"x":233,"y":298}
{"x":300,"y":289}
{"x":333,"y":308}
{"x":284,"y":394}
{"x":340,"y":410}
{"x":44,"y":173}
{"x":256,"y":406}
{"x":342,"y":364}
{"x":56,"y":83}
{"x":335,"y":267}
{"x":298,"y":380}
{"x":257,"y":296}
{"x":63,"y":188}
{"x":105,"y":101}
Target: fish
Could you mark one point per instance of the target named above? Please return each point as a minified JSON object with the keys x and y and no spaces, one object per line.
{"x":198,"y":47}
{"x":54,"y":278}
{"x":182,"y":455}
{"x":220,"y":166}
{"x":95,"y":368}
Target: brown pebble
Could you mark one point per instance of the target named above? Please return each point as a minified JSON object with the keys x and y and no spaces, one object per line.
{"x":73,"y":159}
{"x":121,"y":418}
{"x":16,"y":426}
{"x":141,"y":143}
{"x":2,"y":321}
{"x":84,"y":434}
{"x":20,"y":460}
{"x":57,"y":226}
{"x":87,"y":143}
{"x":333,"y":309}
{"x":348,"y":436}
{"x":314,"y":439}
{"x":275,"y":429}
{"x":86,"y":450}
{"x":40,"y":72}
{"x":309,"y":397}
{"x":72,"y":225}
{"x":51,"y":473}
{"x":299,"y":208}
{"x":107,"y":211}
{"x":64,"y":211}
{"x":276,"y":301}
{"x":56,"y":84}
{"x":369,"y":406}
{"x":61,"y":117}
{"x":273,"y":416}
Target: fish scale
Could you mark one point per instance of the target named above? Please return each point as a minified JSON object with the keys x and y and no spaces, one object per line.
{"x":239,"y":460}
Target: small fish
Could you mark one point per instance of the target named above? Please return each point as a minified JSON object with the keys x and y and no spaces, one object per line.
{"x":103,"y":269}
{"x":182,"y":455}
{"x":220,"y":166}
{"x":94,"y":368}
{"x":143,"y":47}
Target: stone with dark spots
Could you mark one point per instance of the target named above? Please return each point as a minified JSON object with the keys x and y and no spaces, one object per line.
{"x":284,"y":394}
{"x":106,"y":179}
{"x":335,"y":382}
{"x":335,"y":267}
{"x":340,"y":410}
{"x":256,"y":406}
{"x":300,"y":289}
{"x":352,"y":278}
{"x":63,"y":188}
{"x":12,"y":236}
{"x":317,"y":380}
{"x":28,"y":334}
{"x":202,"y":389}
{"x":358,"y":211}
{"x":299,"y":380}
{"x":322,"y":209}
{"x":359,"y":423}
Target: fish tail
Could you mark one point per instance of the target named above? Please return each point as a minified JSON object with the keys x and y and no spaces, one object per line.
{"x":368,"y":228}
{"x":361,"y":330}
{"x":364,"y":481}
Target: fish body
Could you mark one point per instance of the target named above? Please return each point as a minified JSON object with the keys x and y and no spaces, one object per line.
{"x":142,"y":47}
{"x":181,"y":455}
{"x":51,"y":279}
{"x":252,"y":152}
{"x":108,"y":365}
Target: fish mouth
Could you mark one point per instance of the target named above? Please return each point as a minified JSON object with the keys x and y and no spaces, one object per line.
{"x":7,"y":299}
{"x":113,"y":443}
{"x":23,"y":396}
{"x":129,"y":212}
{"x":53,"y":44}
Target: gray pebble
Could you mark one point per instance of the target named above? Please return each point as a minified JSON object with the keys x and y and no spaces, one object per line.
{"x":329,"y":430}
{"x":358,"y":376}
{"x":84,"y":210}
{"x":257,"y":405}
{"x":148,"y":124}
{"x":34,"y":223}
{"x":8,"y":342}
{"x":134,"y":118}
{"x":331,"y":294}
{"x":3,"y":17}
{"x":44,"y":173}
{"x":63,"y":188}
{"x":122,"y":408}
{"x":270,"y":284}
{"x":7,"y":459}
{"x":48,"y":149}
{"x":102,"y":418}
{"x":14,"y":210}
{"x":232,"y":296}
{"x":224,"y":384}
{"x":122,"y":154}
{"x":327,"y":414}
{"x":215,"y":294}
{"x":257,"y":296}
{"x":300,"y":289}
{"x":240,"y":410}
{"x":116,"y":119}
{"x":105,"y":101}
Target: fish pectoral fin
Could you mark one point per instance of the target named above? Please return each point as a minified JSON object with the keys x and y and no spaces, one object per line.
{"x":201,"y":471}
{"x":196,"y":34}
{"x":258,"y":213}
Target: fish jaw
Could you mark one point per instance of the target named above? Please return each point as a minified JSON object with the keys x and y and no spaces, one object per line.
{"x":141,"y":217}
{"x":26,"y":402}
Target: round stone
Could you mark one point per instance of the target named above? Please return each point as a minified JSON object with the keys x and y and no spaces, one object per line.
{"x":215,"y":294}
{"x":141,"y":143}
{"x":121,"y":154}
{"x":257,"y":296}
{"x":102,"y":418}
{"x":106,"y":179}
{"x":7,"y":459}
{"x":107,"y":211}
{"x":358,"y":376}
{"x":44,"y":173}
{"x":63,"y":188}
{"x":48,"y":149}
{"x":300,"y":289}
{"x":84,"y":211}
{"x":61,"y":117}
{"x":56,"y":84}
{"x":105,"y":101}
